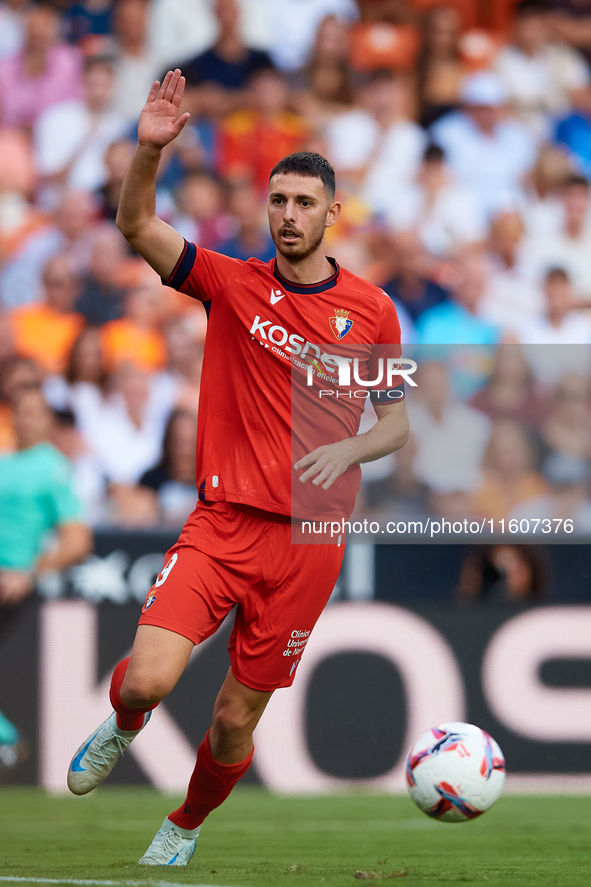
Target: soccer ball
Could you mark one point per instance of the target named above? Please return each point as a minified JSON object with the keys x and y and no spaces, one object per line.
{"x":455,"y":772}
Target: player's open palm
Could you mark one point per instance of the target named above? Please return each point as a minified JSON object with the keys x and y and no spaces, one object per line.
{"x":159,"y":121}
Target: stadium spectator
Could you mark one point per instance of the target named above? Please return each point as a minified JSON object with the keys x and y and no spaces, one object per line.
{"x":412,"y":286}
{"x":126,"y":429}
{"x":502,"y":574}
{"x":399,"y":495}
{"x":87,"y":19}
{"x":458,"y":320}
{"x":293,"y":26}
{"x":228,"y":63}
{"x":571,"y":21}
{"x":184,"y":341}
{"x":251,"y":139}
{"x":172,"y":480}
{"x":567,"y":428}
{"x":440,"y":69}
{"x":510,"y":391}
{"x":37,"y":500}
{"x":136,"y":65}
{"x":568,"y":246}
{"x":376,"y":146}
{"x":511,"y":299}
{"x":70,"y":233}
{"x":201,"y":217}
{"x":450,"y":436}
{"x":444,"y":214}
{"x":561,"y":323}
{"x":542,"y":212}
{"x":17,"y":173}
{"x":101,"y":296}
{"x":573,"y":131}
{"x":117,"y":157}
{"x":326,"y":77}
{"x":136,"y":338}
{"x":46,"y":330}
{"x":42,"y":73}
{"x":509,"y":476}
{"x":83,"y":386}
{"x":488,"y":152}
{"x":567,"y":499}
{"x":539,"y":75}
{"x":87,"y":477}
{"x":72,"y":137}
{"x":251,"y":237}
{"x":16,"y":374}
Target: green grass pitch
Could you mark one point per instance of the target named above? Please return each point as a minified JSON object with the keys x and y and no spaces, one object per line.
{"x":258,"y":840}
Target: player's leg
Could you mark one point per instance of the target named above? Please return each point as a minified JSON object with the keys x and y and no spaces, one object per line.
{"x":276,"y":616}
{"x":139,"y":682}
{"x":223,"y":758}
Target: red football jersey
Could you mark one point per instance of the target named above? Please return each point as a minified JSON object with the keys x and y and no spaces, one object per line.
{"x":257,"y":413}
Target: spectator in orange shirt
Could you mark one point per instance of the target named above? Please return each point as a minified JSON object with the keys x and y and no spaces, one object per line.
{"x":251,"y":140}
{"x":46,"y":330}
{"x":136,"y":338}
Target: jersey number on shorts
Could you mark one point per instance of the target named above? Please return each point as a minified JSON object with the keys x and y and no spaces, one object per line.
{"x":163,"y":576}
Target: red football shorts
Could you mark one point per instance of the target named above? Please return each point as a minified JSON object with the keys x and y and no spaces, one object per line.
{"x":227,"y":558}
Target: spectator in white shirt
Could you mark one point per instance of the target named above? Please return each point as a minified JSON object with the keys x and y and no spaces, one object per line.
{"x":138,"y":64}
{"x":376,"y":146}
{"x":72,"y":137}
{"x":451,"y":437}
{"x":488,"y":152}
{"x":561,"y":324}
{"x":569,"y":246}
{"x":538,"y":74}
{"x":444,"y":214}
{"x":510,"y":298}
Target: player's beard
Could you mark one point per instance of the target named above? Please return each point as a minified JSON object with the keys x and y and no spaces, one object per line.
{"x":302,"y":248}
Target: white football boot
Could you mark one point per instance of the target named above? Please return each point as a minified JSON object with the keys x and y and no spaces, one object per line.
{"x":172,"y":845}
{"x":97,"y":756}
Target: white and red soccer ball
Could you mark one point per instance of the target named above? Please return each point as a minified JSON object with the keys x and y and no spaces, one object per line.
{"x":455,"y":772}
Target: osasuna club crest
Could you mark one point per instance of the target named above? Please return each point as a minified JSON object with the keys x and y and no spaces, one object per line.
{"x":340,"y":323}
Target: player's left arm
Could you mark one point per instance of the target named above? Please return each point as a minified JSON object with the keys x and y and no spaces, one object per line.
{"x":326,"y":463}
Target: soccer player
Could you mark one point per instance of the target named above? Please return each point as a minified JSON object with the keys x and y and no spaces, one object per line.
{"x":236,"y":547}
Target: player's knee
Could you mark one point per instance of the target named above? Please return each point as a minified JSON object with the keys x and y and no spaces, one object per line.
{"x":232,"y":721}
{"x":141,"y":690}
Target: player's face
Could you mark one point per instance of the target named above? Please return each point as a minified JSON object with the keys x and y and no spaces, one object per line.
{"x":299,"y":211}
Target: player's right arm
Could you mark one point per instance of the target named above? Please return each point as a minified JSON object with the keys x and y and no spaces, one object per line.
{"x":159,"y":123}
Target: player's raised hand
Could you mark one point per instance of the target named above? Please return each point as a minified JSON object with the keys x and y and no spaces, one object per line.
{"x":159,"y":121}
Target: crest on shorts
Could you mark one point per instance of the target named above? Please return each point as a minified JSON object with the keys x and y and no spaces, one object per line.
{"x":149,"y":601}
{"x":340,"y":323}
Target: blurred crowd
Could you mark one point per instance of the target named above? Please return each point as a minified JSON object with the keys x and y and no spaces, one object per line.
{"x":497,"y":435}
{"x":461,"y":136}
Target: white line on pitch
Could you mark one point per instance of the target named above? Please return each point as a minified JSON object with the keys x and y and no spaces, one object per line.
{"x":91,"y":883}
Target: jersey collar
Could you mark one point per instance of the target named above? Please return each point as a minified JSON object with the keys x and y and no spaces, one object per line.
{"x":306,"y":289}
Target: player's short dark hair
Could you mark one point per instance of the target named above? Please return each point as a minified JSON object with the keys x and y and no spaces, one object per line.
{"x":307,"y":163}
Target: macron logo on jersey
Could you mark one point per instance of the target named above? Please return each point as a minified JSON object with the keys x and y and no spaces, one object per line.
{"x":276,"y":296}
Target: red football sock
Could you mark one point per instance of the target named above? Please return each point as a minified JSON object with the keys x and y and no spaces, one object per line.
{"x":127,"y":718}
{"x":210,"y":785}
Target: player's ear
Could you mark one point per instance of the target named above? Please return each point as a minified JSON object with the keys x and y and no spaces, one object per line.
{"x":334,"y":211}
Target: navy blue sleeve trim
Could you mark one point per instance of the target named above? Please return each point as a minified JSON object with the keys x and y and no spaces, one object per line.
{"x":388,"y":395}
{"x":183,"y":267}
